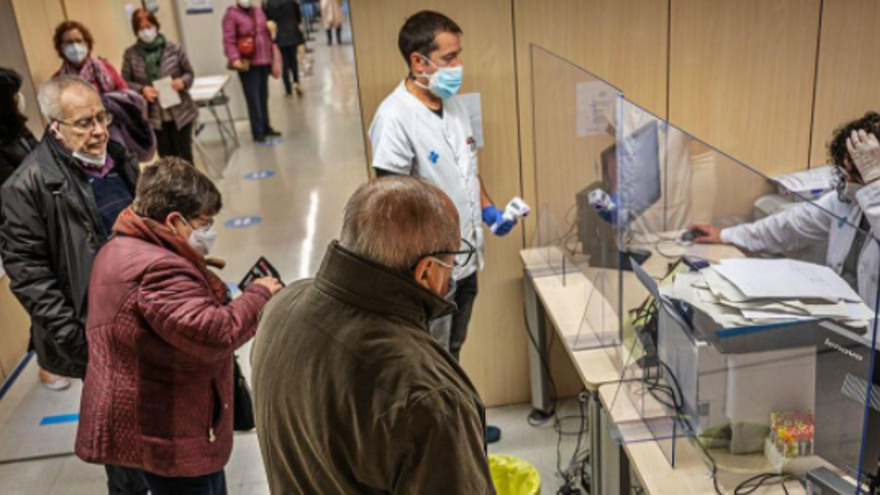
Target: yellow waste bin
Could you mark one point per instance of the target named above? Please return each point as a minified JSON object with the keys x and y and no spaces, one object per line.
{"x":514,"y":476}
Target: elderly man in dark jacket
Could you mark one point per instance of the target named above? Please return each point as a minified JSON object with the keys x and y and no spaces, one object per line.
{"x":56,"y":211}
{"x":352,"y":393}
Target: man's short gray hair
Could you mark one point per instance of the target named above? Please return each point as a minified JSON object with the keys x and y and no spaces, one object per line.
{"x":50,"y":94}
{"x":396,"y":221}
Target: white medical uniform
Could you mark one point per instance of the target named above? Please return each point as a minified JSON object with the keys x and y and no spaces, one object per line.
{"x":806,"y":224}
{"x":409,"y":139}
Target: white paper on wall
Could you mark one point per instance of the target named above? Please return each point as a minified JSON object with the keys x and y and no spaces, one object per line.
{"x":474,"y":105}
{"x":595,"y":107}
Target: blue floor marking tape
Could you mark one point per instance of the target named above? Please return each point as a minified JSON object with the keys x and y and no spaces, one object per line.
{"x":57,"y":420}
{"x":15,"y":374}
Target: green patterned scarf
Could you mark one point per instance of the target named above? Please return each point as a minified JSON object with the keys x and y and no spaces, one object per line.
{"x":152,"y":55}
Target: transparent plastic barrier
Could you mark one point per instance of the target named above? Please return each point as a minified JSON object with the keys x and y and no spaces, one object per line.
{"x":756,"y":388}
{"x":574,"y":135}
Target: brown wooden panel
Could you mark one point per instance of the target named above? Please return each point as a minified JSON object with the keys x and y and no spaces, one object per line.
{"x":495,"y":353}
{"x":14,"y":329}
{"x":621,"y":41}
{"x":849,"y":68}
{"x":741,"y":77}
{"x":37,"y":20}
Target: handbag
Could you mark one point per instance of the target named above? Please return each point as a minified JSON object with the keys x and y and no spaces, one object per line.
{"x":247,"y":44}
{"x":243,"y":406}
{"x":277,"y":63}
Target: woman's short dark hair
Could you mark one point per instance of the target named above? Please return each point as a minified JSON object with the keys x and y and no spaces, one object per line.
{"x":12,"y":122}
{"x":174,"y":185}
{"x":70,"y":26}
{"x":419,"y":31}
{"x":139,"y":16}
{"x":837,"y":152}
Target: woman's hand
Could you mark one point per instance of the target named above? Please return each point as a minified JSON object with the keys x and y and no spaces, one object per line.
{"x":178,"y":85}
{"x":150,"y":94}
{"x":270,"y":283}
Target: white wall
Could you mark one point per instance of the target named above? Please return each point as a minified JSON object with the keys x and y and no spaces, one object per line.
{"x":202,"y":37}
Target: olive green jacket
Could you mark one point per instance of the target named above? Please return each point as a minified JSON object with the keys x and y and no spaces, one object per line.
{"x":353,"y":395}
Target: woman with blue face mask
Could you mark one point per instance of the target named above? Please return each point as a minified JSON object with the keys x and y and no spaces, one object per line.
{"x":74,"y":44}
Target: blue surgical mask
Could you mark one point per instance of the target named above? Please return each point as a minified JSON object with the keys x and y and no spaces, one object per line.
{"x":445,"y":82}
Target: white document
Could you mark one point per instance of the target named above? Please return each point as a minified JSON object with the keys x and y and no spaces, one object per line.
{"x":474,"y":105}
{"x":595,"y":101}
{"x":752,"y":314}
{"x":721,"y":288}
{"x":168,"y":96}
{"x":785,"y":279}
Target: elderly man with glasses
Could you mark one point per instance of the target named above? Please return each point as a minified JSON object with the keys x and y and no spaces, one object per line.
{"x":352,"y":393}
{"x":56,"y":212}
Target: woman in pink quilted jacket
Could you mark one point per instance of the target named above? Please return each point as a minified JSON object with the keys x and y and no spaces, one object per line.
{"x":162,"y":332}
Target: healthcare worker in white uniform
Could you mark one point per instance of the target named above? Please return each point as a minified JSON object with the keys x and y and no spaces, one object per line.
{"x":855,"y":152}
{"x":422,"y":130}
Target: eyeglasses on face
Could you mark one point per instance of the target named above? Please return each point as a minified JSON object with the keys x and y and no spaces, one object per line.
{"x":462,"y":257}
{"x":88,"y":124}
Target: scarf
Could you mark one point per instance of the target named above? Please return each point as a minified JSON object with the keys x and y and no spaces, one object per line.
{"x":152,"y":54}
{"x":93,"y":71}
{"x":131,"y":224}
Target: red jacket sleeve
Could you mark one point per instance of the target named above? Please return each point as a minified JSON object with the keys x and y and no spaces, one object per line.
{"x":230,"y":38}
{"x":118,"y":82}
{"x":178,"y":304}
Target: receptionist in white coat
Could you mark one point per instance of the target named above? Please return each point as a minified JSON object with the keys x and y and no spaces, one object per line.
{"x":422,"y":130}
{"x":855,"y":152}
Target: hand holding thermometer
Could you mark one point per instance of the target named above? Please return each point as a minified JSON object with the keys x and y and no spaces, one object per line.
{"x":516,"y":209}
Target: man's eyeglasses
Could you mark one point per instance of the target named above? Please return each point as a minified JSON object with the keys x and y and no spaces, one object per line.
{"x":88,"y":124}
{"x":462,"y":256}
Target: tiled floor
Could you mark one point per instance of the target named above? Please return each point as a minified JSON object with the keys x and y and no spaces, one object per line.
{"x":318,"y":166}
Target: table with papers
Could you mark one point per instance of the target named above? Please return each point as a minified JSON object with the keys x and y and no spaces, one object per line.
{"x":743,"y":292}
{"x":209,"y":93}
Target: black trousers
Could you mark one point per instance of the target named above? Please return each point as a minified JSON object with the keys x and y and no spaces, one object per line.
{"x":255,"y":83}
{"x":125,"y":481}
{"x":172,"y":141}
{"x":290,"y":66}
{"x":465,"y":296}
{"x":338,"y":36}
{"x":209,"y":484}
{"x":451,"y":331}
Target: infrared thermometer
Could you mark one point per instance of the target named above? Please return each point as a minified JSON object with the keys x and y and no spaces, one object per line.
{"x":516,"y":209}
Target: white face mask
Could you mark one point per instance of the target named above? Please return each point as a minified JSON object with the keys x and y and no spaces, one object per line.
{"x":96,"y":161}
{"x":245,"y":4}
{"x":202,"y":240}
{"x":21,"y":104}
{"x":846,"y":190}
{"x":148,"y":35}
{"x":76,"y":52}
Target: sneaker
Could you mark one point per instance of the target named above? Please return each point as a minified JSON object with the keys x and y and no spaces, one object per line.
{"x":53,"y":382}
{"x":298,"y":89}
{"x":493,"y":434}
{"x":264,"y":141}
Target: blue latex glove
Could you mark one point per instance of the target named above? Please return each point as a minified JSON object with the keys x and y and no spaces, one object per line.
{"x":492,"y":216}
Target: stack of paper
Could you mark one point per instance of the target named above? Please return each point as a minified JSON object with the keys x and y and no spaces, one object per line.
{"x":744,"y":292}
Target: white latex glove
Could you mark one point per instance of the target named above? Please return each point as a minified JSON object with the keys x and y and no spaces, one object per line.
{"x":864,"y":149}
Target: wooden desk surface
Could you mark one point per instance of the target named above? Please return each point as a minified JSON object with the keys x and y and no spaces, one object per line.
{"x":565,"y":305}
{"x":691,"y":474}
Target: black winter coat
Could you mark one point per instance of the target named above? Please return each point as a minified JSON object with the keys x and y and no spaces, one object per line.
{"x":288,"y":16}
{"x":14,"y":152}
{"x":50,"y":234}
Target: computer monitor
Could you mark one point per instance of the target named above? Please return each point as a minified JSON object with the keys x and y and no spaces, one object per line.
{"x":631,"y":172}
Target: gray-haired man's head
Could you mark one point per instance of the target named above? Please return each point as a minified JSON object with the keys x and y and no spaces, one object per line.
{"x":402,"y":223}
{"x":78,"y":119}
